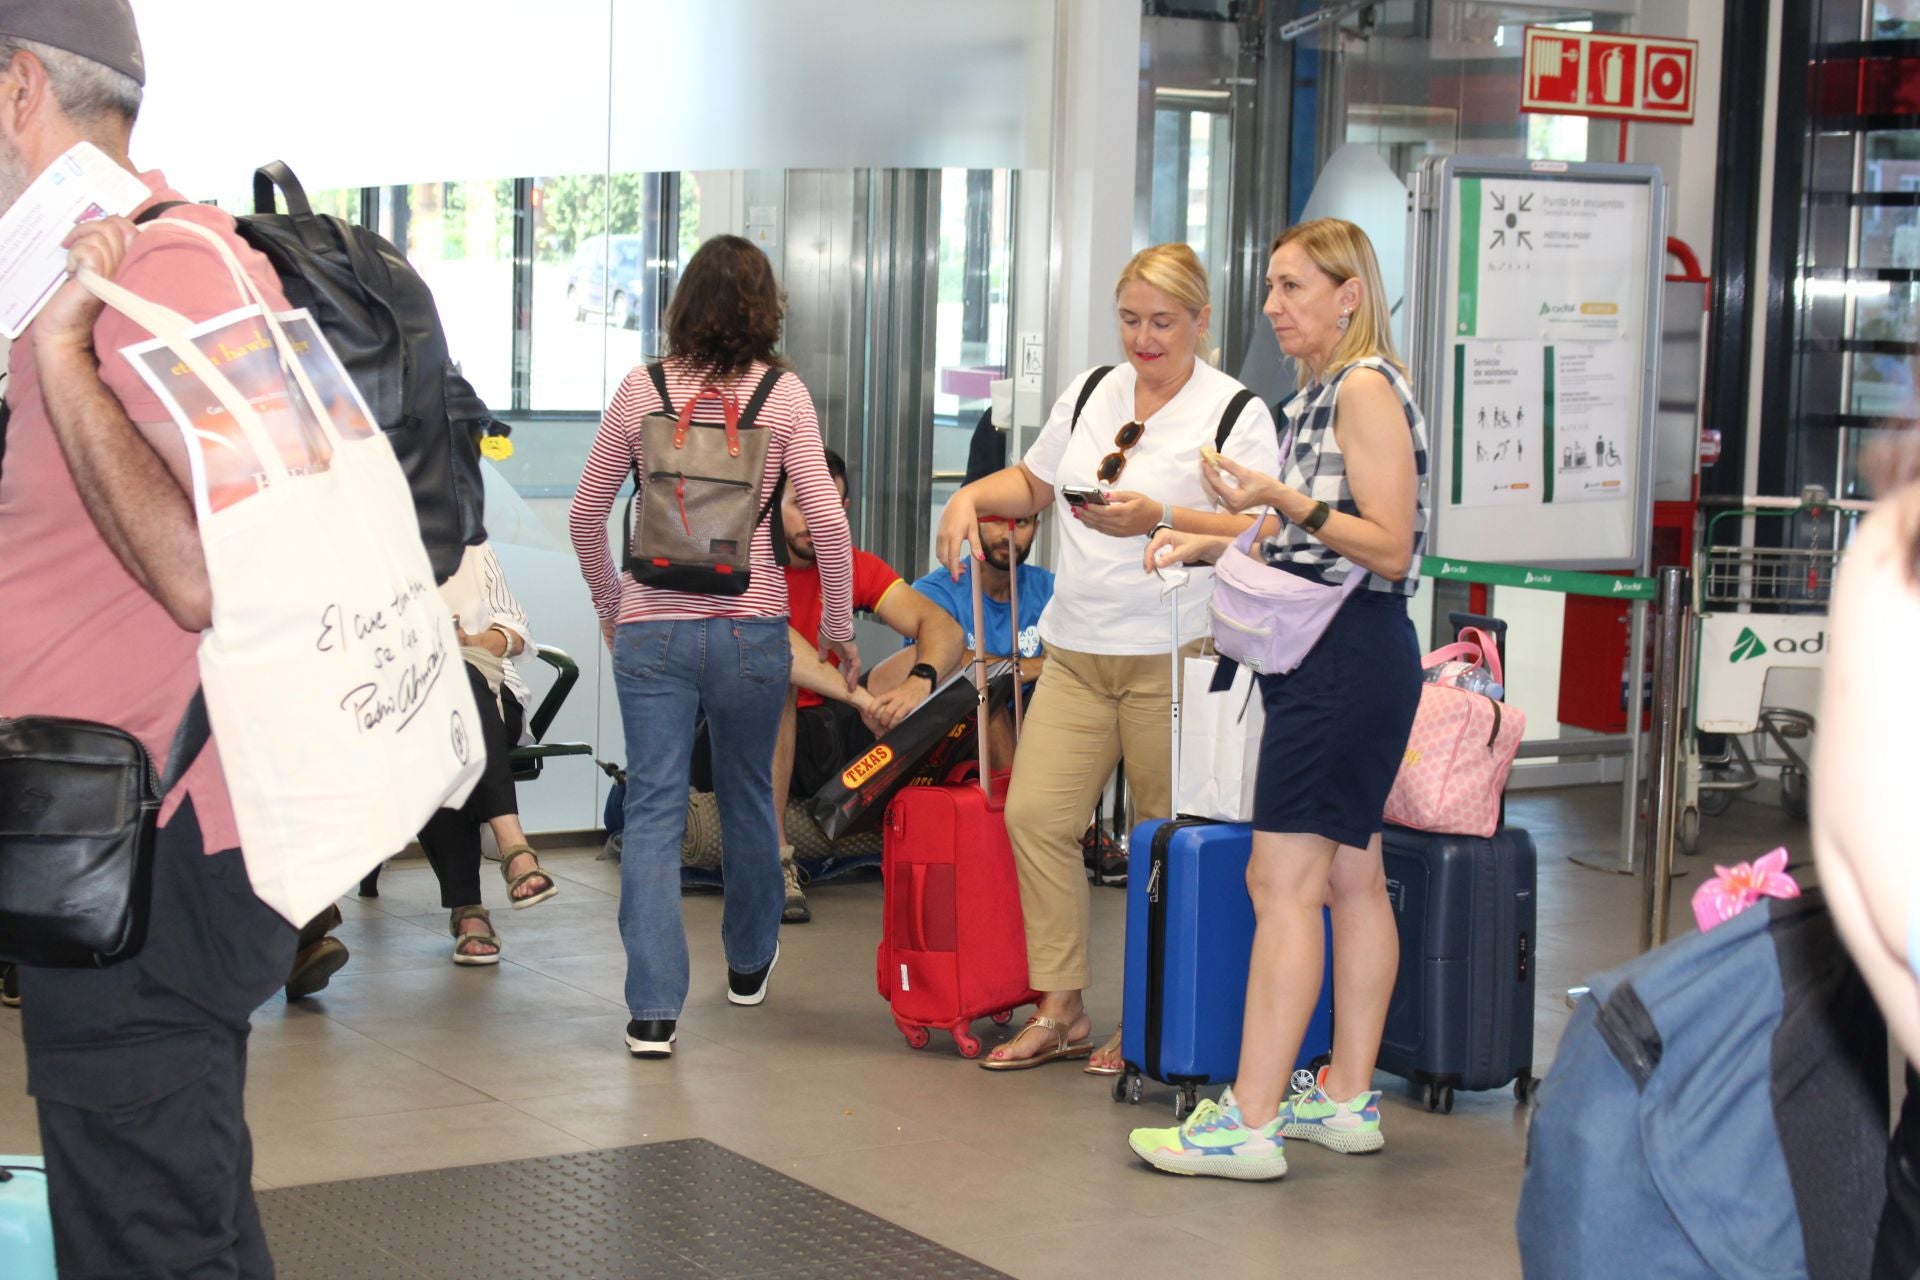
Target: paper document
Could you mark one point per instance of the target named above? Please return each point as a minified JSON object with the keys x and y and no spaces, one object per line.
{"x":1588,"y":443}
{"x":83,"y":184}
{"x":1497,"y":423}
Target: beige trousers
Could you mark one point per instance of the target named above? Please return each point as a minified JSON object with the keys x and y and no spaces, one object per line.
{"x":1089,"y":712}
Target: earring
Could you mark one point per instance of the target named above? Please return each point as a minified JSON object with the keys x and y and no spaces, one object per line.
{"x":1346,"y":318}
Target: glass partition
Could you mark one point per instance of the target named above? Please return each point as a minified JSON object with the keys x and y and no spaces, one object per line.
{"x":550,"y":186}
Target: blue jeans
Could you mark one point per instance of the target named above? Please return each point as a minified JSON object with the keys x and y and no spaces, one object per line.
{"x":665,"y":673}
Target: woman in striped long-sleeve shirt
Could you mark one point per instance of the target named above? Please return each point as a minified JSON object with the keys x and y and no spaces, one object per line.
{"x":677,"y":655}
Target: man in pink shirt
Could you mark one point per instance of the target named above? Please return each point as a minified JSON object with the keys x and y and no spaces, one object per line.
{"x":137,"y":1069}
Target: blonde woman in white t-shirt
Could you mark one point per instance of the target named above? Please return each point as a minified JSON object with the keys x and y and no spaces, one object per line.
{"x":1105,"y":696}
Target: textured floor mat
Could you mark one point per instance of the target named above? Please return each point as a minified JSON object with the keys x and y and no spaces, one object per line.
{"x":666,"y":1209}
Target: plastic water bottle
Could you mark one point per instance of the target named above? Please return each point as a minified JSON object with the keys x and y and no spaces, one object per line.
{"x":1474,"y":680}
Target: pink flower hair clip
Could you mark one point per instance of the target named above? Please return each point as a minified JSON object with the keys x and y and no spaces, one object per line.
{"x":1734,"y":889}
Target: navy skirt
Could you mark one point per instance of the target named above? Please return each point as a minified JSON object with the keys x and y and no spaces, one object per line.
{"x":1337,"y":724}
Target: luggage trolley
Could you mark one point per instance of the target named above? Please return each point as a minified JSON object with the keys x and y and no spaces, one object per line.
{"x":1757,"y":610}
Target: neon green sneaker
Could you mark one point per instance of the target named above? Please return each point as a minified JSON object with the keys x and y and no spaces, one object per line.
{"x":1351,"y":1127}
{"x":1214,"y":1143}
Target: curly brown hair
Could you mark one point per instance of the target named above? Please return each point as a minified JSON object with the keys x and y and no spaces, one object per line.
{"x":727,"y":309}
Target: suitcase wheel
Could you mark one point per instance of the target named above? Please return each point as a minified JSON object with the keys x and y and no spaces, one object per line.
{"x":1525,"y":1087}
{"x":967,"y":1043}
{"x":1440,"y":1098}
{"x":1127,"y":1086}
{"x":1184,"y":1102}
{"x":917,"y":1037}
{"x":1003,"y":1017}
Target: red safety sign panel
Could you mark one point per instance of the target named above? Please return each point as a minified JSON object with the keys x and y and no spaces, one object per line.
{"x":1604,"y":73}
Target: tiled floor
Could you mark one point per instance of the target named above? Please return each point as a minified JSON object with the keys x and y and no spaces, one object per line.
{"x":408,"y":1063}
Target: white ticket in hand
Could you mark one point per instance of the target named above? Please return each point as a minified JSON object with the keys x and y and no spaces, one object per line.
{"x":83,"y":184}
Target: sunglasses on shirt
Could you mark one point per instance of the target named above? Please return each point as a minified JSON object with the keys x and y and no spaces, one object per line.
{"x":1114,"y":463}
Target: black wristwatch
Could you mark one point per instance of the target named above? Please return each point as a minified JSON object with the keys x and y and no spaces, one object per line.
{"x":1316,"y":517}
{"x":925,"y":671}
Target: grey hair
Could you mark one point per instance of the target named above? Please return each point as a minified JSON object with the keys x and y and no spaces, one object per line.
{"x":86,"y":90}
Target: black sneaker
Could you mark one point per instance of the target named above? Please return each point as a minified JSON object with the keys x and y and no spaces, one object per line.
{"x":751,"y":988}
{"x":651,"y":1038}
{"x":10,"y":985}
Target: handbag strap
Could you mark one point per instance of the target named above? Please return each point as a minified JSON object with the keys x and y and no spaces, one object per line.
{"x":1489,"y":648}
{"x":188,"y":740}
{"x":1459,"y":651}
{"x":1086,"y":393}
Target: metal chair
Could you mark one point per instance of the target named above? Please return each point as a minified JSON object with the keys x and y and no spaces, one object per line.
{"x":529,"y":758}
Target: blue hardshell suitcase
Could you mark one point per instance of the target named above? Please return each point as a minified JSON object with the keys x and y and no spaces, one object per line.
{"x":1462,"y":1011}
{"x":1189,"y":940}
{"x":26,"y":1230}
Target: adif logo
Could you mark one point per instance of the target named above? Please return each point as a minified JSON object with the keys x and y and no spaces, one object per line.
{"x":1621,"y":584}
{"x":1542,"y":578}
{"x":1747,"y":646}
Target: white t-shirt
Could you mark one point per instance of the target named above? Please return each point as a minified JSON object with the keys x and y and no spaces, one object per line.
{"x":1104,"y":601}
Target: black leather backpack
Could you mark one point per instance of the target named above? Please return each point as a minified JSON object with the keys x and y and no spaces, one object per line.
{"x":380,"y":317}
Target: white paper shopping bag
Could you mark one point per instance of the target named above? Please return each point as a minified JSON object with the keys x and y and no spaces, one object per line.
{"x":1219,"y":743}
{"x":333,"y":679}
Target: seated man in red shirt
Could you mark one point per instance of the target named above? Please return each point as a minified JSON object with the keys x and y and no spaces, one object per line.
{"x":820,"y":734}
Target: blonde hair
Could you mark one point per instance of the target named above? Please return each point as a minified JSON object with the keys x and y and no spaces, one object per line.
{"x":1342,"y":252}
{"x":1175,"y":270}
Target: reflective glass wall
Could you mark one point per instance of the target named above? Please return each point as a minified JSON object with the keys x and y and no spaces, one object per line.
{"x":550,"y":188}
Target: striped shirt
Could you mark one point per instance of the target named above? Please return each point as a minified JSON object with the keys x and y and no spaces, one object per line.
{"x":617,"y":454}
{"x":1317,"y":468}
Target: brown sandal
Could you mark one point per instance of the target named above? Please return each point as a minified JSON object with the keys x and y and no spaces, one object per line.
{"x":461,"y":938}
{"x":514,"y":882}
{"x":1062,"y":1050}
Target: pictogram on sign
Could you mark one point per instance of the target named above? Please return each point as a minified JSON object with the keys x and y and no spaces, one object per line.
{"x":1603,"y":73}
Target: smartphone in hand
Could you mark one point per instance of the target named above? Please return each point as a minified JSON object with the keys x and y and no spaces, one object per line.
{"x":1077,"y":496}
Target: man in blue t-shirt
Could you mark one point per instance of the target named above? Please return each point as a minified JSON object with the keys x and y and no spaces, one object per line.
{"x":1005,"y":544}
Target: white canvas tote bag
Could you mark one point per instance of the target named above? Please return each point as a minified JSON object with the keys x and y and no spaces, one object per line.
{"x":333,"y":681}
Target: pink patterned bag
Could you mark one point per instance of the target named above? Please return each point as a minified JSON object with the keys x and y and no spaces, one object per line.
{"x":1457,"y":758}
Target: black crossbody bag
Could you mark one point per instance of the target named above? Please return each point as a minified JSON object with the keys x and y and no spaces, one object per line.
{"x":79,"y":812}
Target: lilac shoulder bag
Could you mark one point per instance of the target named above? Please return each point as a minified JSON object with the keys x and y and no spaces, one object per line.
{"x":1267,"y":619}
{"x":1264,"y":618}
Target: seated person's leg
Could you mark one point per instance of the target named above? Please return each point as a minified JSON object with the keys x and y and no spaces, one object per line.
{"x":494,"y":802}
{"x":795,"y":909}
{"x":783,"y":775}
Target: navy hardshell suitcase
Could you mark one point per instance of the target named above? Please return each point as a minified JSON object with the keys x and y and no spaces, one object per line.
{"x":1189,"y":940}
{"x":1462,"y":1010}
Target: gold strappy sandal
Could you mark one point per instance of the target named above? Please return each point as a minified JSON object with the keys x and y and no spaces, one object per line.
{"x":1062,"y":1050}
{"x":1110,"y":1047}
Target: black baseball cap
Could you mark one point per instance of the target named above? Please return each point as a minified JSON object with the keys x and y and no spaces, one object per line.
{"x":99,"y":30}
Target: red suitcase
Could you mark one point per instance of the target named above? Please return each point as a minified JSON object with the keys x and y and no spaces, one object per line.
{"x":953,"y":943}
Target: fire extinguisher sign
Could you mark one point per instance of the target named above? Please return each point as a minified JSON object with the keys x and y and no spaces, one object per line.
{"x":1604,"y":73}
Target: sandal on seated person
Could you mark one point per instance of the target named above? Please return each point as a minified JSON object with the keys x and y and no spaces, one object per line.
{"x":535,"y":871}
{"x":464,"y":942}
{"x":1062,"y":1049}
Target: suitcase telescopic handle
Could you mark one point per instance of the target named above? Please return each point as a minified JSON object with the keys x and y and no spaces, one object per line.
{"x":974,"y":562}
{"x":1013,"y":605}
{"x":1171,"y":580}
